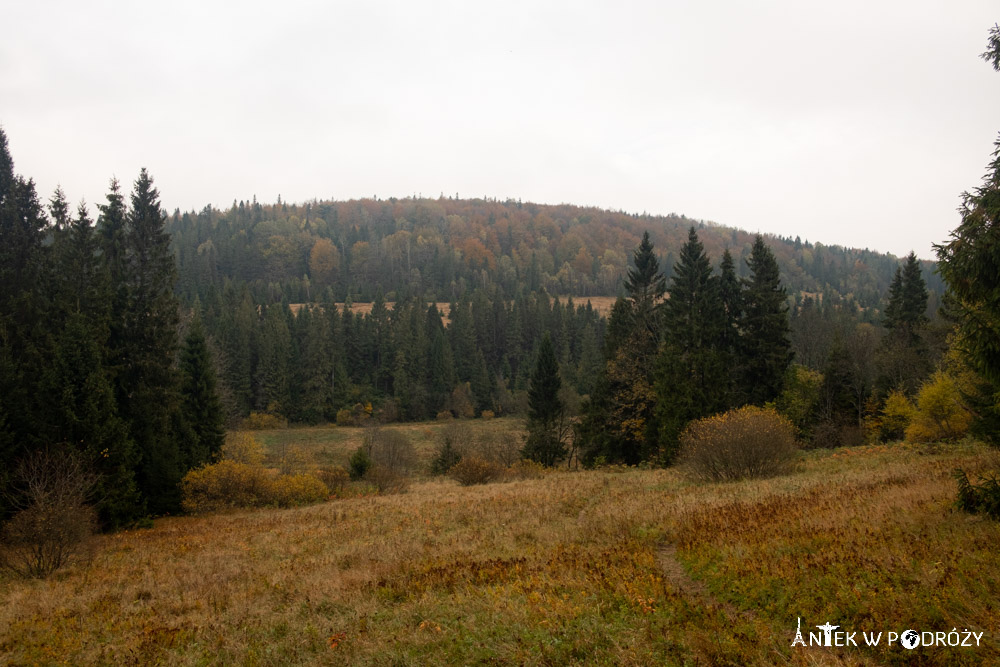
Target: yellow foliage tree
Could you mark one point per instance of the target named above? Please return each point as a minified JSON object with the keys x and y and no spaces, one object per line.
{"x":897,"y":414}
{"x":941,"y":413}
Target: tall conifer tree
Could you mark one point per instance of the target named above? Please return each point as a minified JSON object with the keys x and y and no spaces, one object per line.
{"x":199,"y":398}
{"x":766,"y":350}
{"x":618,"y":422}
{"x":148,"y":381}
{"x":691,"y":371}
{"x":546,"y":412}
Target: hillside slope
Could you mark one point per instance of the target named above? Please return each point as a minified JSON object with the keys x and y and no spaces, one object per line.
{"x":608,"y":566}
{"x":437,"y":248}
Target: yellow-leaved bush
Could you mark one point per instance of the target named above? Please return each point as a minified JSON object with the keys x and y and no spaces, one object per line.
{"x":745,"y":442}
{"x":241,"y":480}
{"x":941,"y":413}
{"x":895,"y":417}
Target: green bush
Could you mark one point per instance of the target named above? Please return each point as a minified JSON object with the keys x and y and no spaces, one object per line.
{"x":447,"y":457}
{"x":982,"y":498}
{"x":741,"y":443}
{"x":799,"y":401}
{"x":359,"y":464}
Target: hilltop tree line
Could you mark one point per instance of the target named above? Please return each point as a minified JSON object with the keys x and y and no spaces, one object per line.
{"x":91,"y":358}
{"x":439,"y":249}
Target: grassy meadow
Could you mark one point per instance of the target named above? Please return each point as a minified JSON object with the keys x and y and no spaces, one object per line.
{"x":611,"y":566}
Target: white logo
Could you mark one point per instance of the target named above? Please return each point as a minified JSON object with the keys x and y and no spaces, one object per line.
{"x":908,"y":639}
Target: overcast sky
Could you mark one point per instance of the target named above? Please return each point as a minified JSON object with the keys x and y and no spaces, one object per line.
{"x":857,"y":123}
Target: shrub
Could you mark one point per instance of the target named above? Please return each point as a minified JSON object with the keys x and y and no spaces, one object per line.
{"x":242,"y":447}
{"x":230,"y":484}
{"x":292,"y":460}
{"x":742,"y":443}
{"x":445,"y":416}
{"x":799,"y":401}
{"x":462,"y":402}
{"x":53,"y":521}
{"x":291,"y":490}
{"x":830,"y":433}
{"x":487,"y":414}
{"x":344,"y":417}
{"x":446,"y":458}
{"x":940,"y":414}
{"x":258,"y":421}
{"x":390,"y":449}
{"x":334,"y":477}
{"x":225,"y":484}
{"x":473,"y":470}
{"x":525,"y":469}
{"x":503,"y":447}
{"x":978,"y":498}
{"x":897,"y":413}
{"x":387,"y":480}
{"x":359,"y":464}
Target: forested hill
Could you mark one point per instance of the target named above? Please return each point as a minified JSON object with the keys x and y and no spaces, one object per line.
{"x":437,"y":249}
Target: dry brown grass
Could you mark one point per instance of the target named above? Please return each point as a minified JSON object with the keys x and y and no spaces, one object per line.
{"x":333,"y":445}
{"x":559,"y":570}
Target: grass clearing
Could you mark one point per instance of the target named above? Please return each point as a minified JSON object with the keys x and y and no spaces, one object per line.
{"x":560,"y":570}
{"x":333,"y":445}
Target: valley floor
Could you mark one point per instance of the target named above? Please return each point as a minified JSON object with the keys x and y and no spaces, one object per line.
{"x":610,"y":567}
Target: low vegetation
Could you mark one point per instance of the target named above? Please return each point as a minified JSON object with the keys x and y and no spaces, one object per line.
{"x":615,"y":566}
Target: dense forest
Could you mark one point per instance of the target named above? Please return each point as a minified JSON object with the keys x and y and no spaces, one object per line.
{"x":509,"y":272}
{"x":441,"y":249}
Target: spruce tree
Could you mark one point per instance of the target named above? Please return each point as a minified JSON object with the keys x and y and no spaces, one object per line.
{"x":691,"y":372}
{"x":546,"y":412}
{"x":970,"y":264}
{"x":25,"y":330}
{"x":913,"y":304}
{"x":83,"y":409}
{"x":732,"y":305}
{"x":618,"y":421}
{"x":893,"y":315}
{"x":765,"y":347}
{"x":646,"y":286}
{"x":200,"y":402}
{"x":903,"y":360}
{"x":147,"y":381}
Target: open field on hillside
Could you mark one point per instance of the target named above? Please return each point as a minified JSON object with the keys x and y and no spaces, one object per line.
{"x":609,"y":567}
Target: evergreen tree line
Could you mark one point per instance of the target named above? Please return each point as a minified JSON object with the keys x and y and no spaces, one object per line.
{"x":90,"y":353}
{"x":716,"y":342}
{"x":712,"y":341}
{"x":311,"y":364}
